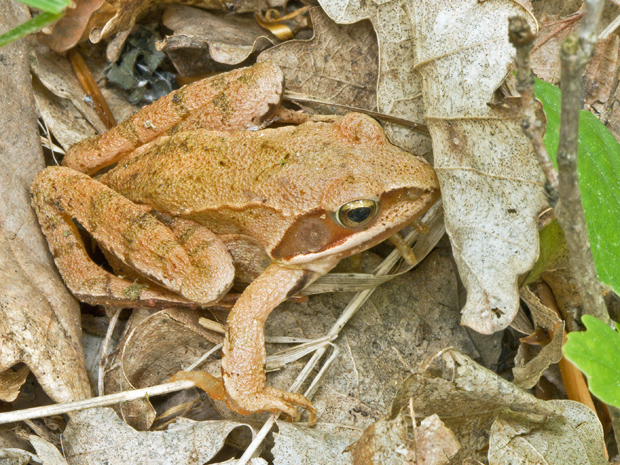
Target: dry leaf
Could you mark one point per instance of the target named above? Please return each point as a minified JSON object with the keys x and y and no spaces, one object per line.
{"x":527,"y":373}
{"x":10,"y":438}
{"x":12,"y":456}
{"x":61,"y":117}
{"x":151,"y":351}
{"x":99,"y":436}
{"x":128,"y":11}
{"x":69,"y":30}
{"x":399,"y":88}
{"x":454,"y":385}
{"x":383,"y":443}
{"x":11,"y":382}
{"x":39,"y":320}
{"x":527,"y":430}
{"x":456,"y":57}
{"x":601,"y":69}
{"x":57,"y":75}
{"x":339,"y":64}
{"x":303,"y":445}
{"x":229,"y":39}
{"x":564,"y":288}
{"x":601,"y":73}
{"x":575,"y":437}
{"x":466,"y":396}
{"x":46,"y":451}
{"x":435,"y":443}
{"x":545,"y":56}
{"x":162,"y":344}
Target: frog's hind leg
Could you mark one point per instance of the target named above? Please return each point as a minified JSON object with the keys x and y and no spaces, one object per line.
{"x":240,"y":99}
{"x":136,"y":237}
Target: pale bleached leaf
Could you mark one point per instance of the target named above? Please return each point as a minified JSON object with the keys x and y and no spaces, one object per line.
{"x":46,"y":451}
{"x":99,"y":436}
{"x":575,"y":437}
{"x":302,"y":445}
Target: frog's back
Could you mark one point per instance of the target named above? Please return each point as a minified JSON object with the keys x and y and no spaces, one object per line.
{"x":202,"y":170}
{"x":266,"y":177}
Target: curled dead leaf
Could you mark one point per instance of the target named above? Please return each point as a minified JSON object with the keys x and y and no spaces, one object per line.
{"x":73,"y":26}
{"x":11,"y":382}
{"x":153,"y":348}
{"x":229,"y":39}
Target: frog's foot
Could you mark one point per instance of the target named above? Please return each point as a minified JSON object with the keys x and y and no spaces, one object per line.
{"x":270,"y":399}
{"x":198,"y":266}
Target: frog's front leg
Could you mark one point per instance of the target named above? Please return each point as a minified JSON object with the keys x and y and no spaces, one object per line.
{"x":198,"y":266}
{"x":243,"y":361}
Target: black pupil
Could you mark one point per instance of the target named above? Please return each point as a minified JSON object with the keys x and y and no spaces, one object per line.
{"x":358,"y":215}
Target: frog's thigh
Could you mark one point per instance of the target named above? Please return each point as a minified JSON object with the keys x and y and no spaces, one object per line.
{"x":243,"y":363}
{"x":236,"y":100}
{"x":124,"y":229}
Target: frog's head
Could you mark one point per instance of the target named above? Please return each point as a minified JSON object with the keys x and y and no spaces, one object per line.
{"x":370,"y":189}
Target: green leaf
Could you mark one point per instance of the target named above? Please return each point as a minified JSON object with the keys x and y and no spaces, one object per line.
{"x":553,"y":252}
{"x":50,"y":6}
{"x":596,"y":352}
{"x":29,"y":27}
{"x":599,"y":180}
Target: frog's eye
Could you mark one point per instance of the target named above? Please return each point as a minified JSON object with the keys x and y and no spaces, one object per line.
{"x":356,"y":213}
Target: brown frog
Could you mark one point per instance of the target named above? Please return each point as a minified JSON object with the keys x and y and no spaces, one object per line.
{"x":194,"y":207}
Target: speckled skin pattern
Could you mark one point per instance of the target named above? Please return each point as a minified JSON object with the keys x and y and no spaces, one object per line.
{"x":188,"y":209}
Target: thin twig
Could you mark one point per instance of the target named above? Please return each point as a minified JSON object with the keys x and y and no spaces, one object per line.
{"x":610,"y":29}
{"x":521,"y":36}
{"x":103,"y":401}
{"x":103,"y":359}
{"x":575,"y":53}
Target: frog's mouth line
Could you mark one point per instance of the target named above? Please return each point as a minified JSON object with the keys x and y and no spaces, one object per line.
{"x":317,"y":235}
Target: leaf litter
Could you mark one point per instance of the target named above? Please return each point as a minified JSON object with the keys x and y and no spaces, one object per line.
{"x":39,"y":319}
{"x":456,"y":59}
{"x":384,"y":345}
